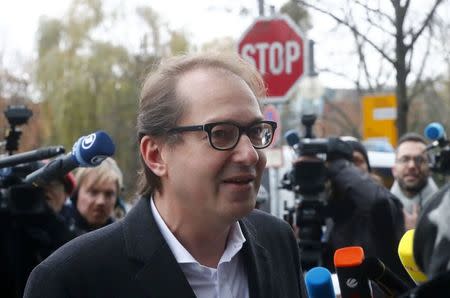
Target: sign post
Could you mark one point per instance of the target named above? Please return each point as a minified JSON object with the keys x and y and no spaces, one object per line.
{"x":276,"y":47}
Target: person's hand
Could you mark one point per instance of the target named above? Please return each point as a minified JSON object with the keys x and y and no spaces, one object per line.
{"x":411,"y":218}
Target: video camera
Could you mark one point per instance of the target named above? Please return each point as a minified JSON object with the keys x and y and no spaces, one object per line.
{"x":308,"y":176}
{"x":15,"y":197}
{"x":439,"y":149}
{"x":308,"y":179}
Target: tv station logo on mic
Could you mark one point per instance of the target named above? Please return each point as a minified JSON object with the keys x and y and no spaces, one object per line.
{"x":88,"y":141}
{"x":96,"y":160}
{"x":352,"y":283}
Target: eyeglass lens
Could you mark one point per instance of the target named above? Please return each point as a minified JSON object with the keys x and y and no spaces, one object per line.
{"x":418,"y":160}
{"x":226,"y":135}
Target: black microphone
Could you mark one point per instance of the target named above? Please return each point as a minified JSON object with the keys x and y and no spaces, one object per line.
{"x":351,"y":274}
{"x":391,"y":284}
{"x":31,"y":156}
{"x":88,"y":151}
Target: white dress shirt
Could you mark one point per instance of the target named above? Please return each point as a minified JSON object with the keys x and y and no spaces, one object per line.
{"x":228,"y":280}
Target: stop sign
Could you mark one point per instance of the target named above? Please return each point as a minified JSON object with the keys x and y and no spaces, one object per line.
{"x":276,"y":47}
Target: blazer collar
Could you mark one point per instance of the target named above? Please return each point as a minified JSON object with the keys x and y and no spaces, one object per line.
{"x":159,"y":274}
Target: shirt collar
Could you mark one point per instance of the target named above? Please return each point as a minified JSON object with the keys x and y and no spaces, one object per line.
{"x":235,"y":240}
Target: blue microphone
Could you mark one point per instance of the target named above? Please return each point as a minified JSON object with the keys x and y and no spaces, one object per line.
{"x":88,"y":151}
{"x":292,"y":138}
{"x":435,"y":131}
{"x":319,"y":284}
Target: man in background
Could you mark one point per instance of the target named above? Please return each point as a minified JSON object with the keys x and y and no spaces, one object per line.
{"x":93,"y":201}
{"x":413,"y":184}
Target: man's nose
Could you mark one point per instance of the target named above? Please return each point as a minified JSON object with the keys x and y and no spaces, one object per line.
{"x":100,"y":199}
{"x":245,"y":152}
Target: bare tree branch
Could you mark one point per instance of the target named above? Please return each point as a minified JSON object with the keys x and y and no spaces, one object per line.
{"x":362,"y":60}
{"x":346,"y":119}
{"x":425,"y":24}
{"x":421,"y":86}
{"x":352,"y":27}
{"x":377,"y":25}
{"x":341,"y":74}
{"x":375,"y":11}
{"x":414,"y":91}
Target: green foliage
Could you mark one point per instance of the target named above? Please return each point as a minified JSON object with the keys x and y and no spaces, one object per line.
{"x":87,"y":84}
{"x":178,"y":43}
{"x":225,"y":44}
{"x":298,"y":14}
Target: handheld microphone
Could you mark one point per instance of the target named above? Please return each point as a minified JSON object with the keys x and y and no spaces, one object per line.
{"x":30,"y":156}
{"x":353,"y":281}
{"x":390,"y":283}
{"x":319,"y":284}
{"x":436,"y":132}
{"x":406,"y":254}
{"x":293,"y":139}
{"x":88,"y":151}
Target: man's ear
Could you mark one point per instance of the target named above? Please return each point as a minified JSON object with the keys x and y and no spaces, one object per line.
{"x":151,"y":154}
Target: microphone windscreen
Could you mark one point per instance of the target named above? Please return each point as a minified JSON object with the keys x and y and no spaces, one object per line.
{"x":319,"y":283}
{"x":434,"y":131}
{"x":353,"y":281}
{"x":406,"y":254}
{"x":92,"y":149}
{"x":349,"y":256}
{"x":292,"y":137}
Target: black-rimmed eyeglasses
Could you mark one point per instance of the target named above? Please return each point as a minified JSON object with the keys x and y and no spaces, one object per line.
{"x":226,"y":135}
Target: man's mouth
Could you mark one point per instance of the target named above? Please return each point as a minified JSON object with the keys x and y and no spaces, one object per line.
{"x":238,"y":180}
{"x":243,"y":179}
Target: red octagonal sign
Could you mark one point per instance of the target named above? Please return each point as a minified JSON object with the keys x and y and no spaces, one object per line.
{"x":276,"y":47}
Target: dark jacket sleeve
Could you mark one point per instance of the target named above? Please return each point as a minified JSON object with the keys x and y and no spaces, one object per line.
{"x":365,"y":214}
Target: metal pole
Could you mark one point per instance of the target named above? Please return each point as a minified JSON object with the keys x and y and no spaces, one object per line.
{"x":261,"y":7}
{"x":311,"y":72}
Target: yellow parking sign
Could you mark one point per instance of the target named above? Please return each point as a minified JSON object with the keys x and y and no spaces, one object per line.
{"x":379,"y":117}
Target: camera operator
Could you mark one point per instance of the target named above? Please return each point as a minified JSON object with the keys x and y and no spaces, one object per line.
{"x":363,"y":212}
{"x":361,"y":158}
{"x":32,"y":229}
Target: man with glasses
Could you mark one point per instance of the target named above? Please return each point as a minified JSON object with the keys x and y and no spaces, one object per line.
{"x":195,"y":231}
{"x":413,"y":184}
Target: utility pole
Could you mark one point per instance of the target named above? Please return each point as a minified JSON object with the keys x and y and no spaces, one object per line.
{"x":261,"y":7}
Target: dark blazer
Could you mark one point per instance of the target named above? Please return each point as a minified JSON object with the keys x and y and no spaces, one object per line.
{"x":130,"y":258}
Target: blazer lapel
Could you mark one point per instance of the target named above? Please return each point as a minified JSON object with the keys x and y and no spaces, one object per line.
{"x":158,"y":272}
{"x":257,"y":263}
{"x":162,"y":277}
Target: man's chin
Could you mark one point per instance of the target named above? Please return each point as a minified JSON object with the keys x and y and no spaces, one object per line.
{"x":414,"y":187}
{"x":244,"y":208}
